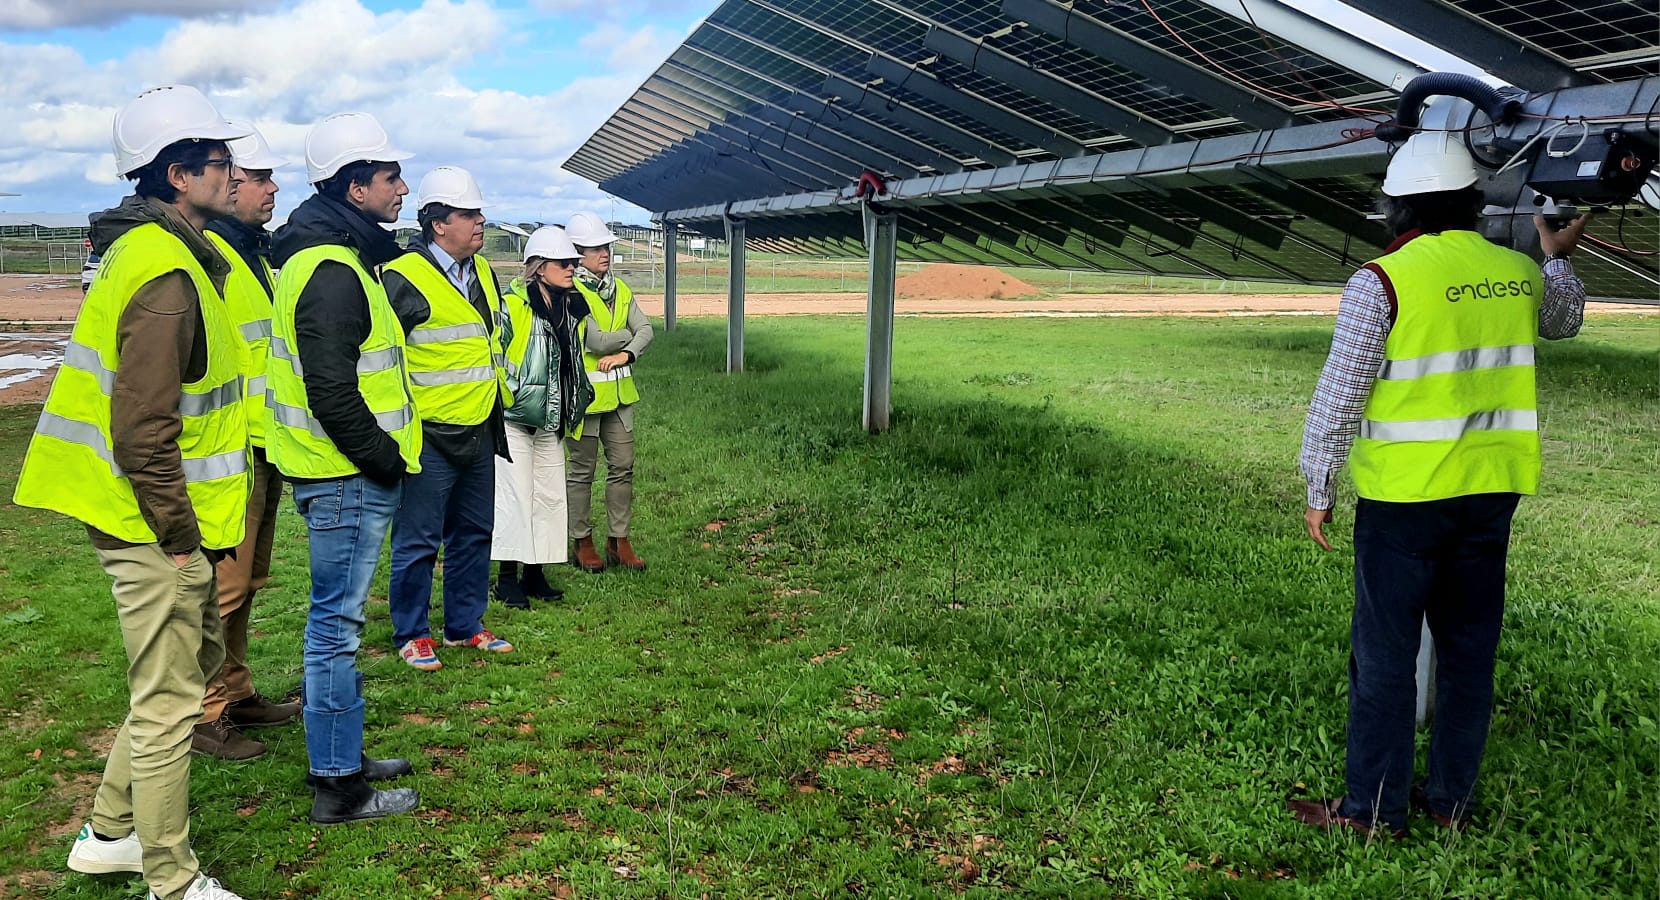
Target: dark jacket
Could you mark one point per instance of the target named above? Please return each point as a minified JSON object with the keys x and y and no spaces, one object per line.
{"x":459,"y":443}
{"x":164,"y":321}
{"x":250,"y":243}
{"x":331,"y":322}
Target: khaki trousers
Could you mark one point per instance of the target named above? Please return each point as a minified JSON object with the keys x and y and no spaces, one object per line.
{"x":241,"y":577}
{"x":613,"y":429}
{"x":170,"y":625}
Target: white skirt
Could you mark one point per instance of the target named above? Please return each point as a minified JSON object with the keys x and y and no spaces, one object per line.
{"x":530,"y":499}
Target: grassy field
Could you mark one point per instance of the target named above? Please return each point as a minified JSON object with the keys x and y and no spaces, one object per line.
{"x":1059,"y":633}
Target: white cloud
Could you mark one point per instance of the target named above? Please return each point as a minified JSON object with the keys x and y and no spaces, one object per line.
{"x":27,"y":14}
{"x":287,"y":68}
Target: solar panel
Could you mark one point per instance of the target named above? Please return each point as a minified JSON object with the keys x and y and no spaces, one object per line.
{"x":1014,"y":123}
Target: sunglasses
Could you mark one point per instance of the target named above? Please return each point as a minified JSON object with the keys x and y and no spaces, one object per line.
{"x":563,"y":263}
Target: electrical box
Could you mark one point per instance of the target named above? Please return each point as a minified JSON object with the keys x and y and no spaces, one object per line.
{"x":1604,"y":168}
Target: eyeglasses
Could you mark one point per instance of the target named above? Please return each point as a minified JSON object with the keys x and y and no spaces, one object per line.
{"x":564,"y":263}
{"x":225,"y":161}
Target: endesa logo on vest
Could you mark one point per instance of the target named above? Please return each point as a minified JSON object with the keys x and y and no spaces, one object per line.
{"x":1489,"y":290}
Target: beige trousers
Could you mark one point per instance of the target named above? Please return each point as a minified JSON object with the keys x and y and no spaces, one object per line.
{"x":615,"y":430}
{"x":239,"y":579}
{"x":170,"y":625}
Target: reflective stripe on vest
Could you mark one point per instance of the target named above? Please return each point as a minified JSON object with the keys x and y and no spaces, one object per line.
{"x":599,"y":377}
{"x":1457,"y":361}
{"x":297,"y":443}
{"x":616,"y":387}
{"x":250,"y":308}
{"x":454,"y":357}
{"x":1453,"y":409}
{"x":71,"y":466}
{"x":1451,"y":429}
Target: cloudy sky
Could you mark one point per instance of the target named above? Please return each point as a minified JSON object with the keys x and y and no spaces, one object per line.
{"x":505,"y":88}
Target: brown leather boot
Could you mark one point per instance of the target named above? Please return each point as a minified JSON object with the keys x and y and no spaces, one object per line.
{"x":585,"y":556}
{"x":221,"y":739}
{"x":619,"y":553}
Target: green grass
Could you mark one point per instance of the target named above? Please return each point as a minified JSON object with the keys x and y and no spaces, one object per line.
{"x":1062,"y":621}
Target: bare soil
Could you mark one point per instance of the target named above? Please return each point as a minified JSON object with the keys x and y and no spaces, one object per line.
{"x":953,"y":282}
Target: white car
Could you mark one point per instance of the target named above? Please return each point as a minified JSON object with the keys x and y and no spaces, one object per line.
{"x":89,"y":270}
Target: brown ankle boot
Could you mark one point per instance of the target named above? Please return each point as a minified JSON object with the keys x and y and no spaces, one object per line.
{"x":585,"y":556}
{"x":619,"y":553}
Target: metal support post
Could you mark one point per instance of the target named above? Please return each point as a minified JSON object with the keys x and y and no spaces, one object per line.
{"x":882,"y":239}
{"x":735,"y":296}
{"x":671,"y":269}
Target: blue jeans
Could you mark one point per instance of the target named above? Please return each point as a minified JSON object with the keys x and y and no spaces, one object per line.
{"x":347,"y":519}
{"x":1444,"y":560}
{"x":453,"y":506}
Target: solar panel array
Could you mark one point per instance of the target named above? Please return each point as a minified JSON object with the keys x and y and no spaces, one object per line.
{"x":797,"y":98}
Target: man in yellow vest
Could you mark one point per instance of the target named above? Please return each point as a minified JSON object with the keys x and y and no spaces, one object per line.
{"x":232,"y":703}
{"x":615,"y":333}
{"x":1430,"y":379}
{"x":343,"y":431}
{"x":144,"y":438}
{"x":450,"y":305}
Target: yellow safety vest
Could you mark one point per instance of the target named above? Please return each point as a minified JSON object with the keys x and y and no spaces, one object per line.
{"x":70,"y":466}
{"x":454,"y":357}
{"x":1453,"y":410}
{"x":250,"y":308}
{"x":616,"y":387}
{"x":297,"y":444}
{"x":518,"y":322}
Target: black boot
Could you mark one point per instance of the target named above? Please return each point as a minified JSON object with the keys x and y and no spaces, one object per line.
{"x":510,"y":594}
{"x":383,"y":769}
{"x":535,"y":584}
{"x":507,"y":590}
{"x":348,"y":798}
{"x":374,"y":770}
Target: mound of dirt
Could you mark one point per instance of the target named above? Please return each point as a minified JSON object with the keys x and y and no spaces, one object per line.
{"x":941,"y":281}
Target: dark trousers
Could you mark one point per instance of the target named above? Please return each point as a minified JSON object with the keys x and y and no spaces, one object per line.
{"x":450,"y":503}
{"x":1444,"y":560}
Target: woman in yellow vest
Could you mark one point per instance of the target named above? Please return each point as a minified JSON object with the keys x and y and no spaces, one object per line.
{"x":1430,"y":378}
{"x":144,"y":438}
{"x":551,"y":393}
{"x":615,"y":334}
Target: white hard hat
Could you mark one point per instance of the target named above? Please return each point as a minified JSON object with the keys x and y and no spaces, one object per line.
{"x":588,"y":230}
{"x":252,"y":152}
{"x":550,"y":242}
{"x":451,"y":186}
{"x":345,"y":138}
{"x":161,"y":116}
{"x":1430,"y":161}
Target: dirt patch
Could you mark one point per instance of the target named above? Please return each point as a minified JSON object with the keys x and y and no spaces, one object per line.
{"x":951,"y":282}
{"x":78,"y":790}
{"x":39,"y":298}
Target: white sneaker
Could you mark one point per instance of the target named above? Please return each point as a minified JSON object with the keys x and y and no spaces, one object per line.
{"x":100,"y":857}
{"x":204,"y":888}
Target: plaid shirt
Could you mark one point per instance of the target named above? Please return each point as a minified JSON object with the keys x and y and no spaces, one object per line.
{"x":1364,"y":318}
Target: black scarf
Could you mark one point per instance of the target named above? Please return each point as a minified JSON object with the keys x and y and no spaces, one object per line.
{"x":324,"y":220}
